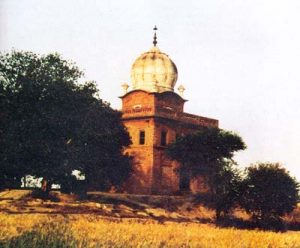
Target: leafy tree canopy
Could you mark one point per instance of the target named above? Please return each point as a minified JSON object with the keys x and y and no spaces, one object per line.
{"x":51,"y":124}
{"x":206,"y":147}
{"x":209,"y":153}
{"x":269,"y":191}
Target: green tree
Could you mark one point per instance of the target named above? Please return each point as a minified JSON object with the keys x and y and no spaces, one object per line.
{"x":51,"y":124}
{"x":269,"y":193}
{"x":209,"y":153}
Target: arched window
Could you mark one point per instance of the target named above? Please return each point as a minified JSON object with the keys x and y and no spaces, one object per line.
{"x":142,"y":137}
{"x":163,"y":138}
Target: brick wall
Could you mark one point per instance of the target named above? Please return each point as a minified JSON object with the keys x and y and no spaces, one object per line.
{"x":154,"y":172}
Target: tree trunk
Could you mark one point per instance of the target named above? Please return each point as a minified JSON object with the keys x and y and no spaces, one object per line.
{"x":218,"y":214}
{"x":46,"y":186}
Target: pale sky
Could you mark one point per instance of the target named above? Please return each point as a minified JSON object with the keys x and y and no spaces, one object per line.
{"x":238,"y":60}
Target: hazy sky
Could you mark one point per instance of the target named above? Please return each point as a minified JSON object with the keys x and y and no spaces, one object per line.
{"x":238,"y":60}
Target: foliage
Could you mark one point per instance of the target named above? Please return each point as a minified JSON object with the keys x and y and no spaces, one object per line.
{"x":51,"y":124}
{"x":205,"y":146}
{"x":209,"y":153}
{"x":226,"y":184}
{"x":269,"y":192}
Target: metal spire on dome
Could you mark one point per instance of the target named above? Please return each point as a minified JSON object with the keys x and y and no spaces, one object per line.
{"x":155,"y":38}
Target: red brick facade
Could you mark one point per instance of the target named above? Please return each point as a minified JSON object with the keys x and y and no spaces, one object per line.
{"x":154,"y":120}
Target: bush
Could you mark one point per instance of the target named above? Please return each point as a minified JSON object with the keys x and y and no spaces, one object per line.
{"x":268,"y":193}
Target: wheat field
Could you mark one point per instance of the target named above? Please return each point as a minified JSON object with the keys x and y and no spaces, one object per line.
{"x":44,"y":230}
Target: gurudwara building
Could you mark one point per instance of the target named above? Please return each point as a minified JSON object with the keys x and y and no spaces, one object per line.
{"x":154,"y":117}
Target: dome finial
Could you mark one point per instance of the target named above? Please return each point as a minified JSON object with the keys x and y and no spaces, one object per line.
{"x":155,"y":38}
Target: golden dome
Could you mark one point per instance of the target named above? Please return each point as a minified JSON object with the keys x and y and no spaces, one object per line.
{"x":154,"y":71}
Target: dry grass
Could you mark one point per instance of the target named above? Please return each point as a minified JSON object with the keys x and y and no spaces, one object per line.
{"x":92,"y":231}
{"x":124,"y":221}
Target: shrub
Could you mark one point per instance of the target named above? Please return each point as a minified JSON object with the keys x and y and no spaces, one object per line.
{"x":269,"y":192}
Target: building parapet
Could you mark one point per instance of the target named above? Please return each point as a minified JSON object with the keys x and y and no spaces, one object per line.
{"x":169,"y":113}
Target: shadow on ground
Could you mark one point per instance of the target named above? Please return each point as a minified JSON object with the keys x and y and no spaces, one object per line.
{"x":117,"y":206}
